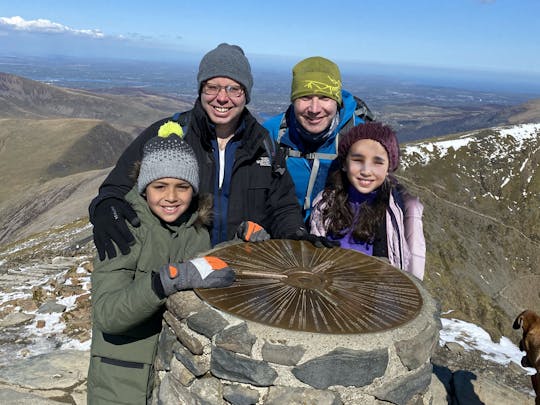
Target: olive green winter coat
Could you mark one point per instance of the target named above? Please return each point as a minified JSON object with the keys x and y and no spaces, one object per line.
{"x":126,"y":312}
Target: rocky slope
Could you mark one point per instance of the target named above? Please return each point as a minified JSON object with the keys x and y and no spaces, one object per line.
{"x":481,"y":191}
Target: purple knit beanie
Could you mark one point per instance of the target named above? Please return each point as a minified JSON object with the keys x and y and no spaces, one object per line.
{"x":377,"y":132}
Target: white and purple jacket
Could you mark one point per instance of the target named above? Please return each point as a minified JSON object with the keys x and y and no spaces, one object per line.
{"x":404,"y":230}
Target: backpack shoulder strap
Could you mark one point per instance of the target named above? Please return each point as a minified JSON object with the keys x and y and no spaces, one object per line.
{"x":361,"y":111}
{"x":282,"y":128}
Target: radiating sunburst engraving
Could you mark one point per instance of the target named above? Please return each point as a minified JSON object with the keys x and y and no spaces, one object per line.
{"x":294,"y":285}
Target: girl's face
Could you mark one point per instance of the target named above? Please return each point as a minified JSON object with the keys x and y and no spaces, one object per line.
{"x":366,"y":165}
{"x":168,"y":198}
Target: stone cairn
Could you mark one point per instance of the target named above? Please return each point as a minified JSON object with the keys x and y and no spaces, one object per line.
{"x":207,"y":356}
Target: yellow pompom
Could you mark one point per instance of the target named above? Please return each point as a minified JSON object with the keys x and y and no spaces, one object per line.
{"x":169,"y":128}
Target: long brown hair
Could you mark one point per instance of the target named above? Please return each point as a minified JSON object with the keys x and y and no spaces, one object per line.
{"x":338,"y":213}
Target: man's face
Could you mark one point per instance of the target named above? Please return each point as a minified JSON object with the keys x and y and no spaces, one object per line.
{"x":223,"y":99}
{"x":315,"y":113}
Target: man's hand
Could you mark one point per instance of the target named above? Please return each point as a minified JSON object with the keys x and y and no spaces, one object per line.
{"x":109,"y":220}
{"x":204,"y":272}
{"x":252,"y":232}
{"x":317,"y":241}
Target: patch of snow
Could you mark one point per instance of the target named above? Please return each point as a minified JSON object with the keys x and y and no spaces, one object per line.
{"x":473,"y":337}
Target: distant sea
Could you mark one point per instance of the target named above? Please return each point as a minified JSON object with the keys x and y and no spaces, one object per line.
{"x":378,"y":85}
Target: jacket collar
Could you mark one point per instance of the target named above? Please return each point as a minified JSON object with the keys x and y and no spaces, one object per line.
{"x":248,"y":133}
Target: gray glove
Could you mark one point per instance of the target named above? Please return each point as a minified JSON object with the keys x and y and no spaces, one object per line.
{"x":204,"y":272}
{"x":250,"y":231}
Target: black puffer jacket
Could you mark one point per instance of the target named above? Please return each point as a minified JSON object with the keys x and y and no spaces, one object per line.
{"x":255,"y":191}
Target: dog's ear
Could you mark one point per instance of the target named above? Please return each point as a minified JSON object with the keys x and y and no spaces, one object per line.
{"x":518,"y":323}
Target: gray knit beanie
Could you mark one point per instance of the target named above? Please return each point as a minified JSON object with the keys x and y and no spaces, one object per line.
{"x":168,"y":156}
{"x":226,"y":61}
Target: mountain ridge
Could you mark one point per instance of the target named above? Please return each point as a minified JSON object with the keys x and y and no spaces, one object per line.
{"x":480,"y":190}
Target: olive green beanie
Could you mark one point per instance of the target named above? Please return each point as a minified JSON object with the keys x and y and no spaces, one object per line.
{"x":316,"y":76}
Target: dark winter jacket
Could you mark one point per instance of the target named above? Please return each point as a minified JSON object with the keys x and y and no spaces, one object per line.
{"x":282,"y":128}
{"x":251,"y":189}
{"x":127,"y":313}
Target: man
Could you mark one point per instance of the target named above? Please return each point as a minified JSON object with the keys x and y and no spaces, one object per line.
{"x":308,"y":132}
{"x":234,"y":154}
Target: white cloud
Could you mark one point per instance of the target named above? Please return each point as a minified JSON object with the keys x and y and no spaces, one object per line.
{"x":45,"y":26}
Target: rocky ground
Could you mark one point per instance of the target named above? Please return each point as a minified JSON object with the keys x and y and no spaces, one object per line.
{"x":45,"y":322}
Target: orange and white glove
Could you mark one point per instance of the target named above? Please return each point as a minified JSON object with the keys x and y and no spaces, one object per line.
{"x":204,"y":272}
{"x":250,"y":231}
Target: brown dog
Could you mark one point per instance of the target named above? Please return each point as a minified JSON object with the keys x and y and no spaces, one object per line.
{"x":529,"y":321}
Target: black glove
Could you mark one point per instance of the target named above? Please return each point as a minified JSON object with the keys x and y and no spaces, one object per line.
{"x":204,"y":272}
{"x":317,"y":241}
{"x":109,"y":220}
{"x":250,"y":231}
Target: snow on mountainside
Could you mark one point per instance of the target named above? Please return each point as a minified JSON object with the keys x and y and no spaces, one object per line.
{"x":425,"y":150}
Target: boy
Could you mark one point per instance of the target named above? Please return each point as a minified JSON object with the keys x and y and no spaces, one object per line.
{"x":128,"y":292}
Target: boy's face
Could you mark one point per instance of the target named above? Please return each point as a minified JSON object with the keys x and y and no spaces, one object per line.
{"x":168,"y":198}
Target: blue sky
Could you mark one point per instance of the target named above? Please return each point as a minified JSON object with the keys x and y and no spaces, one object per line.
{"x":493,"y":35}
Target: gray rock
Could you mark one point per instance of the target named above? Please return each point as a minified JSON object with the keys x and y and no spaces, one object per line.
{"x":57,"y":370}
{"x":282,"y":354}
{"x":439,"y":394}
{"x":235,"y":367}
{"x":15,"y":319}
{"x":11,"y":397}
{"x":415,"y":352}
{"x":300,"y":396}
{"x":454,"y":347}
{"x":208,"y":390}
{"x":401,"y":391}
{"x":236,"y":339}
{"x":184,"y":303}
{"x":343,"y":367}
{"x":193,"y":344}
{"x":51,"y":307}
{"x":441,"y":382}
{"x":240,"y":395}
{"x":471,"y":389}
{"x":198,"y":365}
{"x":180,"y":373}
{"x":207,"y":322}
{"x":175,"y":394}
{"x":167,"y":340}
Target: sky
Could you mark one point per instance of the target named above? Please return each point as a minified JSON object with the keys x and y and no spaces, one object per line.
{"x":482,"y":35}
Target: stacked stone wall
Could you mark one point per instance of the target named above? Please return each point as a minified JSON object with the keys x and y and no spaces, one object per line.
{"x":207,"y":356}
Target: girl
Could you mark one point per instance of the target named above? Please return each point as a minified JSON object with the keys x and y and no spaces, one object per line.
{"x":365,"y":208}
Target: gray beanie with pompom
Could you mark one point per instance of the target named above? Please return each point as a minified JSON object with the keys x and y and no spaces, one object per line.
{"x":168,"y":156}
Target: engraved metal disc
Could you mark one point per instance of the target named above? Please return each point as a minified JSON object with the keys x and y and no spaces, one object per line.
{"x":294,"y":285}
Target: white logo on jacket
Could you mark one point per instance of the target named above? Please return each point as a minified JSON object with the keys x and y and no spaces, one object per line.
{"x":264,"y":161}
